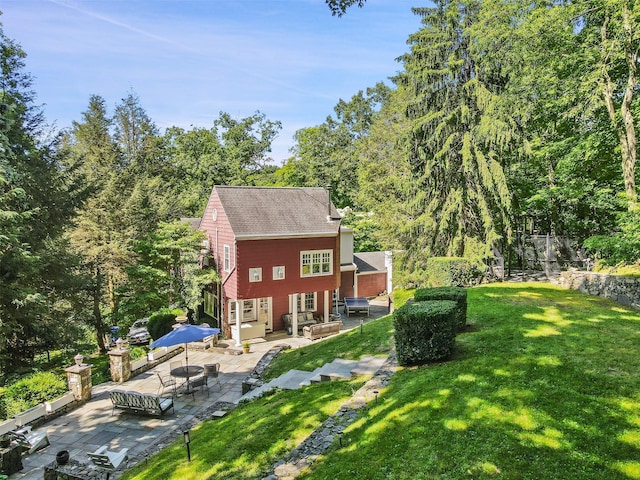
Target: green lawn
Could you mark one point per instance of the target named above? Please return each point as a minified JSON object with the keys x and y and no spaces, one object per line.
{"x":544,"y":385}
{"x":245,"y":443}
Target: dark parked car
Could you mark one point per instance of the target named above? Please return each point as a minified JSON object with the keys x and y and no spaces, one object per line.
{"x":138,"y":333}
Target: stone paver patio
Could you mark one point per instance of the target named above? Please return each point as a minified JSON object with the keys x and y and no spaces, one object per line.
{"x":92,"y":425}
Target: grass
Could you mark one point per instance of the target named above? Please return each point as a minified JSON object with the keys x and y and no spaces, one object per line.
{"x":375,"y":339}
{"x":544,"y":385}
{"x":245,"y":443}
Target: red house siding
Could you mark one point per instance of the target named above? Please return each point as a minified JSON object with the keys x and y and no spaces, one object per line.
{"x":266,"y":254}
{"x":346,"y":284}
{"x":372,"y":284}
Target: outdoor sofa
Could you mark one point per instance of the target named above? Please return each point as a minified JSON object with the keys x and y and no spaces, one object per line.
{"x":320,"y":330}
{"x":136,"y":402}
{"x":304,"y":319}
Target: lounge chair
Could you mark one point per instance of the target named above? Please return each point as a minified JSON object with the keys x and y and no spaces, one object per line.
{"x":29,"y":439}
{"x":106,"y":460}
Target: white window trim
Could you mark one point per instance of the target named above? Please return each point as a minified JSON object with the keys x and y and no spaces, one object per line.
{"x":227,"y":257}
{"x":302,"y":299}
{"x":255,"y":274}
{"x":249,"y":311}
{"x":279,"y":272}
{"x":316,"y":258}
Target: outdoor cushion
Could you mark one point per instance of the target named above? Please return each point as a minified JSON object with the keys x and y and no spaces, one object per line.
{"x":140,"y":402}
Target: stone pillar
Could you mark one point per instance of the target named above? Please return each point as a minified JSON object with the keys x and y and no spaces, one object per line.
{"x":10,"y":459}
{"x":79,"y":381}
{"x":120,"y":363}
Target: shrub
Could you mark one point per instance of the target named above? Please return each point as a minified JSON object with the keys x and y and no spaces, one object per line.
{"x":455,"y":294}
{"x":424,"y":331}
{"x":32,"y":390}
{"x":161,"y":323}
{"x":453,"y":271}
{"x":618,"y":247}
{"x":137,"y":352}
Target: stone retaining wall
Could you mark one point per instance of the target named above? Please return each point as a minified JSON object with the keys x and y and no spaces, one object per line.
{"x":624,"y":290}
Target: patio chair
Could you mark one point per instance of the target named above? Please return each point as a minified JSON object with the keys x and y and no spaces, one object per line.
{"x":106,"y":460}
{"x":199,"y":383}
{"x":30,"y":440}
{"x":166,"y":382}
{"x":212,"y":370}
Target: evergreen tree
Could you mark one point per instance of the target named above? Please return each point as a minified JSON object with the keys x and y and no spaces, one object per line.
{"x":463,"y":200}
{"x":37,"y":200}
{"x":99,"y":233}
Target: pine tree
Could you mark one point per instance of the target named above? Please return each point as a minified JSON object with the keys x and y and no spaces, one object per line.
{"x":463,"y":199}
{"x":37,"y":200}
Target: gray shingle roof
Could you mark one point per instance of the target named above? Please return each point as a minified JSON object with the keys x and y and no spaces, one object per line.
{"x":278,"y":211}
{"x":369,"y":261}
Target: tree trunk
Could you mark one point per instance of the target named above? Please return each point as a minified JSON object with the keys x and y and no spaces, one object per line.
{"x":625,"y":129}
{"x":97,"y":314}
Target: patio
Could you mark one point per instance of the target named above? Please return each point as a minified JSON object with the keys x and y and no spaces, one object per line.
{"x":87,"y":428}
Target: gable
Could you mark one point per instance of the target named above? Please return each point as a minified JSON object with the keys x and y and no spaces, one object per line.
{"x":268,"y":212}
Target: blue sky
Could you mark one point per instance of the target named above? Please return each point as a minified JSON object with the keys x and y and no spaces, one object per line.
{"x":187,"y":60}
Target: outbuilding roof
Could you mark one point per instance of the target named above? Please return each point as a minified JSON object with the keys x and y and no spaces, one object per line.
{"x":255,"y":212}
{"x":370,"y":261}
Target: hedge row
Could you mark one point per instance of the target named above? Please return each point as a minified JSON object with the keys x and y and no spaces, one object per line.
{"x":455,"y":294}
{"x":424,"y":331}
{"x":452,"y":271}
{"x":30,"y":391}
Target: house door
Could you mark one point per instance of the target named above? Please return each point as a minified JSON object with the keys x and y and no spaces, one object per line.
{"x":264,"y":313}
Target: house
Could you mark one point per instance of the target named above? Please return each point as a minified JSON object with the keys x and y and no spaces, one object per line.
{"x":363,"y":274}
{"x":277,"y":250}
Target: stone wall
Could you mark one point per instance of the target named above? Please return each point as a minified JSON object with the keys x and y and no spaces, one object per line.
{"x":624,"y":290}
{"x":73,"y":470}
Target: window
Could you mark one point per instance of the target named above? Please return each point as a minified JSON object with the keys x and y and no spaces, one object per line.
{"x":227,"y":258}
{"x":255,"y":274}
{"x":248,"y":313}
{"x":307,"y":302}
{"x":316,"y":263}
{"x":278,"y":273}
{"x":211,"y":304}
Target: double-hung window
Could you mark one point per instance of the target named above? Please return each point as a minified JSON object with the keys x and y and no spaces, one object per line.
{"x":315,"y":263}
{"x":227,"y":258}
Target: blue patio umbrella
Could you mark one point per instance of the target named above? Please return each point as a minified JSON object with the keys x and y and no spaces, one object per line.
{"x":184,"y":334}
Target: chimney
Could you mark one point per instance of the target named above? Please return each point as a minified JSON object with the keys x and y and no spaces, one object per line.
{"x":329,"y":201}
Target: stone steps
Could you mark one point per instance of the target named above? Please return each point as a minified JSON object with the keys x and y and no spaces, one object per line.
{"x":338,"y":369}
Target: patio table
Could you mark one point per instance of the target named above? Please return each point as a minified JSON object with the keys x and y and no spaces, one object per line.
{"x":187,"y":372}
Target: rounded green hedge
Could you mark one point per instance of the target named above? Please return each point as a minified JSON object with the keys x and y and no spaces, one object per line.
{"x":455,"y":294}
{"x":424,"y":331}
{"x":161,"y":323}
